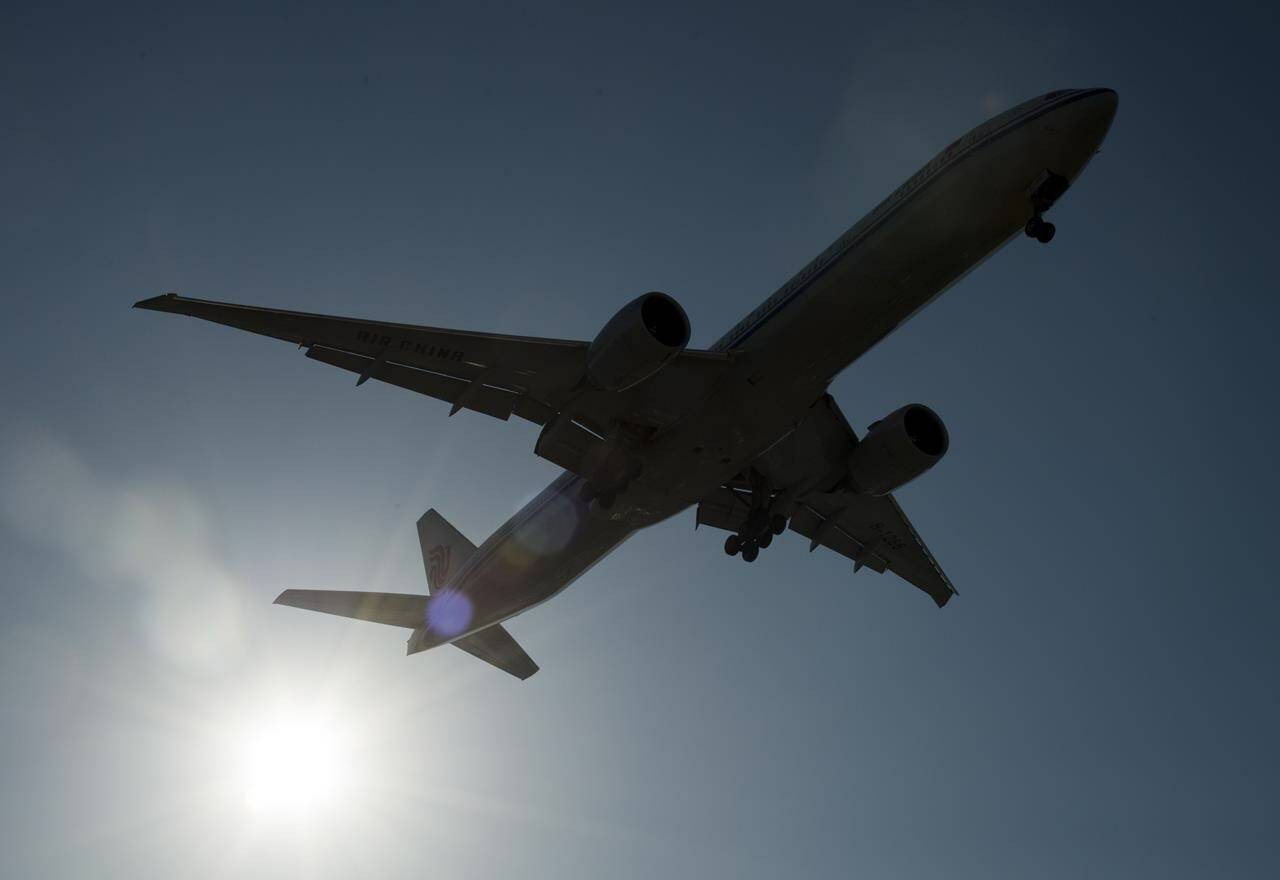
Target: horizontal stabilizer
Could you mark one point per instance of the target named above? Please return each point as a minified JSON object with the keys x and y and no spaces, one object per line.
{"x":393,"y":609}
{"x":495,"y":646}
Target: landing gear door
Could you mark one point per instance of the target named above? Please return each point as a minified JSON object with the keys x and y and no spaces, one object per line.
{"x":1047,"y":189}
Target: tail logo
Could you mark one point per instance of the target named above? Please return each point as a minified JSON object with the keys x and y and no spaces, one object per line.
{"x":438,"y":564}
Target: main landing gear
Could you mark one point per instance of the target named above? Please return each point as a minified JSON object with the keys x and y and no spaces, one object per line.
{"x":755,"y":535}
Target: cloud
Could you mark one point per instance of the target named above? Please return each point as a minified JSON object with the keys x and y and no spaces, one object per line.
{"x":150,"y":538}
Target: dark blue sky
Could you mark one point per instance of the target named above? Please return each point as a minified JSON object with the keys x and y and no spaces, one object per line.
{"x":1101,"y":698}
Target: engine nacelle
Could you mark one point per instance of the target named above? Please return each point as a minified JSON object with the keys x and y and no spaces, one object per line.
{"x":897,"y":449}
{"x":637,"y":342}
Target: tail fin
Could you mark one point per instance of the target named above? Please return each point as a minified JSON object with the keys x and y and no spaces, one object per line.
{"x":444,"y":549}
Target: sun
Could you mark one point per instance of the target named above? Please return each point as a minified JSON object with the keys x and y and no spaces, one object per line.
{"x":293,"y":764}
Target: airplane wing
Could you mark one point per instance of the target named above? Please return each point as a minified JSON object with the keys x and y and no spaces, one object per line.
{"x":491,"y":373}
{"x":873,"y":531}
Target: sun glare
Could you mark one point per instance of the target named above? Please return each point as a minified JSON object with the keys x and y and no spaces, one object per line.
{"x":293,"y":765}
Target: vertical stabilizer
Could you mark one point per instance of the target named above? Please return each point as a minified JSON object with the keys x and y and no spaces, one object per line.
{"x":444,"y":549}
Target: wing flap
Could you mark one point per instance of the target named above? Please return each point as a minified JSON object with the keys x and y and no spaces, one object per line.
{"x":829,"y":533}
{"x":473,"y":394}
{"x":873,"y":531}
{"x":515,"y":360}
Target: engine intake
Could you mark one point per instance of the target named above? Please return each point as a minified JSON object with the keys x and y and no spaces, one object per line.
{"x":638,"y":341}
{"x":897,"y":449}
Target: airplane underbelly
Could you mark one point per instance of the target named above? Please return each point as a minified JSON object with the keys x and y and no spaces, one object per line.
{"x":546,"y":546}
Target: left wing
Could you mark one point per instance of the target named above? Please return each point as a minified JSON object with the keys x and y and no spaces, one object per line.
{"x":492,"y":373}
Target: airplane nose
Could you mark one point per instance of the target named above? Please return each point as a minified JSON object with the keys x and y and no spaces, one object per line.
{"x":1100,"y":107}
{"x":1085,"y":120}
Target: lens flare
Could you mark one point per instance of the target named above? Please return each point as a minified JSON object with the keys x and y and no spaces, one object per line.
{"x":449,"y":613}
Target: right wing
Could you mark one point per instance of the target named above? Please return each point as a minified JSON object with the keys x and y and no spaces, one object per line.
{"x":871,"y":530}
{"x":492,"y":373}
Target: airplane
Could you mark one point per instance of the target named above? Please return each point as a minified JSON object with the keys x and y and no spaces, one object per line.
{"x":745,"y":432}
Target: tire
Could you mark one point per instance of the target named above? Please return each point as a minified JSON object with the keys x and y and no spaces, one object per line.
{"x":732,"y":545}
{"x":1032,"y":229}
{"x":765,"y":540}
{"x":778,"y":524}
{"x":1044,"y":234}
{"x":750,"y":552}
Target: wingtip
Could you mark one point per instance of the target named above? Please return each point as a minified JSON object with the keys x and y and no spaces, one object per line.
{"x":159,"y":303}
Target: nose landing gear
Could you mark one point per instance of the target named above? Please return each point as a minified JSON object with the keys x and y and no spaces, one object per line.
{"x":1039,"y":229}
{"x":1047,"y":189}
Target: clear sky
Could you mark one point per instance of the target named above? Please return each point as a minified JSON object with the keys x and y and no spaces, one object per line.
{"x":1100,"y":700}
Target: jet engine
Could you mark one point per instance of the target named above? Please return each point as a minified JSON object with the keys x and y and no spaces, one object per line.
{"x":897,"y":449}
{"x":637,"y":342}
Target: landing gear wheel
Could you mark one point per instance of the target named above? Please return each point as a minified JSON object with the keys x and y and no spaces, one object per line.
{"x":750,"y":551}
{"x":732,"y":545}
{"x":1039,"y":229}
{"x":765,"y":540}
{"x":778,"y":524}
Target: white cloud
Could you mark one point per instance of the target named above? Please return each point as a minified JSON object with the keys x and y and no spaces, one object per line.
{"x":150,"y":538}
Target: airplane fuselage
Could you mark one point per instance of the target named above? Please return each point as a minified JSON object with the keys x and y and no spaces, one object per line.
{"x":961,"y":207}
